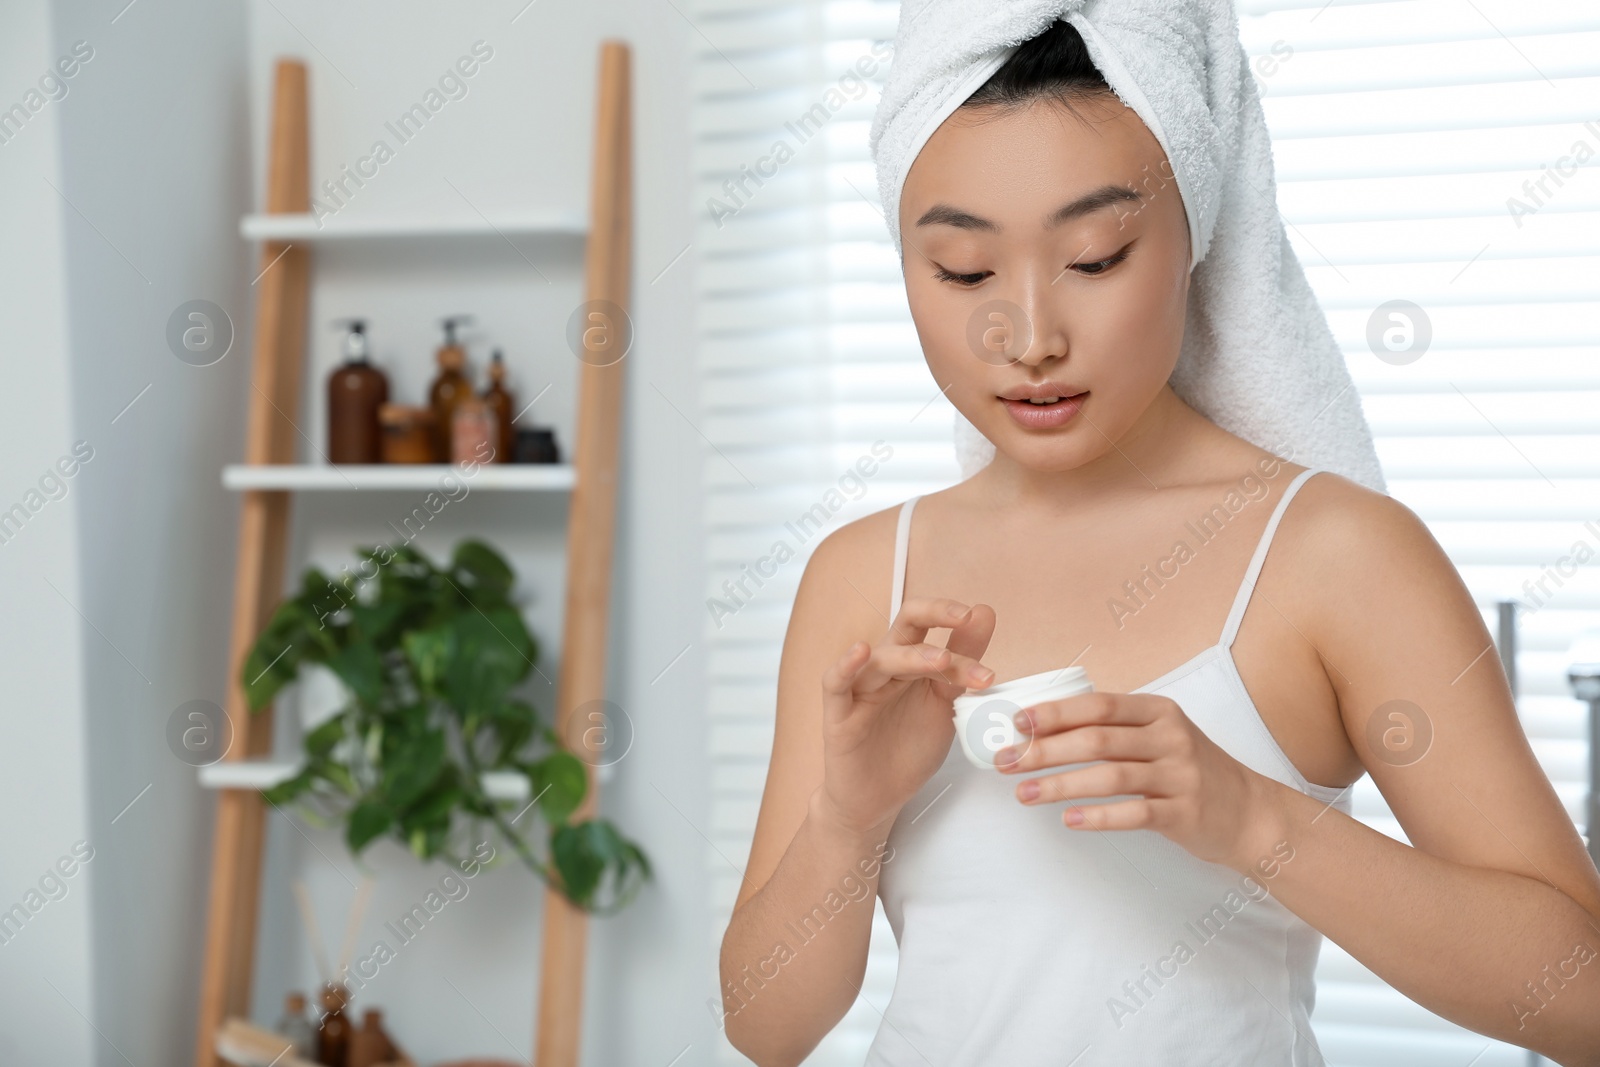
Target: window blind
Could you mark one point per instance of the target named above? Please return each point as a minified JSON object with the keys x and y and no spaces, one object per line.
{"x":1440,"y":152}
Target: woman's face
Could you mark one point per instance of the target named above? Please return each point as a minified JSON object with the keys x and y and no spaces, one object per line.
{"x":1047,"y":255}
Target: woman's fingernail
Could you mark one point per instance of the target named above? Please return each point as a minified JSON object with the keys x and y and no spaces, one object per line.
{"x":983,"y":675}
{"x":1028,"y":790}
{"x":1005,"y":756}
{"x":1074,"y":817}
{"x":1024,"y":721}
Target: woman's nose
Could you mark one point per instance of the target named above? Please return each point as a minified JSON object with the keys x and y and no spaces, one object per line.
{"x":1046,"y":332}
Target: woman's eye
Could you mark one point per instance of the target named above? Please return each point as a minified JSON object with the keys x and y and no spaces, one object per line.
{"x":1089,"y":269}
{"x":1099,"y":266}
{"x":961,"y":279}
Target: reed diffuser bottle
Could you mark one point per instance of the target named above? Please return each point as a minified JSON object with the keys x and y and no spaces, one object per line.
{"x":334,"y":1028}
{"x":333,"y":1037}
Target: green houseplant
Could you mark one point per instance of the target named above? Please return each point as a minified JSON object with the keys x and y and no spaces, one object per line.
{"x":429,"y":658}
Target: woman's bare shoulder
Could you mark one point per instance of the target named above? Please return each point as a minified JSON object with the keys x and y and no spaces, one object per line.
{"x":1349,"y":526}
{"x":851,"y":567}
{"x":1353,"y":554}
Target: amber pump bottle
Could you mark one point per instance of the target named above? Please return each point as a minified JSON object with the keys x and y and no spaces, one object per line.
{"x":449,"y":387}
{"x":356,"y":390}
{"x":499,"y":401}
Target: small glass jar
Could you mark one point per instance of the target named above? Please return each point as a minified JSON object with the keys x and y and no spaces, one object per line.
{"x":983,"y":717}
{"x":408,"y":435}
{"x":536,"y":444}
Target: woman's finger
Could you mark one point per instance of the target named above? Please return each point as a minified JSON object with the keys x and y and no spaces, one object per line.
{"x":971,"y":637}
{"x":1110,"y":779}
{"x":921,"y":614}
{"x":1139,"y":813}
{"x":839,"y":680}
{"x":903,"y":662}
{"x":1085,"y":744}
{"x":1122,"y":709}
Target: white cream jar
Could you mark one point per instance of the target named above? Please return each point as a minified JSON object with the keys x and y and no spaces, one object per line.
{"x":983,"y":717}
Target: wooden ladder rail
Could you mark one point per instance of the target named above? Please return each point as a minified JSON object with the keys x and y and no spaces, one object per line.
{"x":280,"y":330}
{"x":591,"y":524}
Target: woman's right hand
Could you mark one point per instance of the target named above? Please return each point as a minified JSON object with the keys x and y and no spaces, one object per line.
{"x":886,"y":721}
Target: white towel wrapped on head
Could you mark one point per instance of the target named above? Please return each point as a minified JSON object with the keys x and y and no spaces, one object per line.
{"x":1258,"y":358}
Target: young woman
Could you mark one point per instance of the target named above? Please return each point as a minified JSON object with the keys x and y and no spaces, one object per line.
{"x":1146,"y":882}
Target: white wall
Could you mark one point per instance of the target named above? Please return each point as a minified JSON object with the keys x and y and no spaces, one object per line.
{"x":44,"y":973}
{"x":158,"y":147}
{"x":115,"y":196}
{"x":153,"y":157}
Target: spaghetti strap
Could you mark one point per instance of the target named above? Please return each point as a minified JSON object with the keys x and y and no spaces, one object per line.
{"x":902,"y":541}
{"x":1230,"y":629}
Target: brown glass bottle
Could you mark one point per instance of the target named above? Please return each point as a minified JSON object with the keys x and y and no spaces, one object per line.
{"x":499,"y":401}
{"x":449,"y":387}
{"x":356,"y":390}
{"x":333,"y":1035}
{"x":371,"y":1044}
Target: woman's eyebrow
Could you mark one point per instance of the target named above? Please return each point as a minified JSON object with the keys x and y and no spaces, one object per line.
{"x":1105,"y":196}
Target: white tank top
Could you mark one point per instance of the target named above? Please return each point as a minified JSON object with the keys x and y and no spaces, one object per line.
{"x":1024,"y":943}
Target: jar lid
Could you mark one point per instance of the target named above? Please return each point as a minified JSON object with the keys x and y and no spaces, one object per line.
{"x":403,"y":414}
{"x":1032,"y":689}
{"x":1051,"y":679}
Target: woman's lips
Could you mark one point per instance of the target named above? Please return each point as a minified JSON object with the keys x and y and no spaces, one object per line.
{"x":1033,"y":416}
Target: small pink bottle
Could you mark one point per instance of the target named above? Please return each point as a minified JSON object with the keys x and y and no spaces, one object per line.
{"x":474,"y":432}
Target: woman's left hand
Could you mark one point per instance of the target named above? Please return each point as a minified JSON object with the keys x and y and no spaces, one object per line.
{"x":1181,"y":784}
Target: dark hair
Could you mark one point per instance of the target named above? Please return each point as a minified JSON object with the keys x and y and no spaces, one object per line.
{"x":1055,"y":65}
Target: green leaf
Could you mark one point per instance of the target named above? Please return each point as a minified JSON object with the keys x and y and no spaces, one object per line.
{"x":368,"y":821}
{"x":492,"y":652}
{"x":579,"y":861}
{"x":320,"y":741}
{"x":428,"y":841}
{"x":514,"y":721}
{"x":472,"y":659}
{"x":376,"y":623}
{"x":360,"y":668}
{"x":337,"y":775}
{"x":275,"y":658}
{"x":428,"y":652}
{"x":482,"y":568}
{"x":435,"y":808}
{"x":412,"y":765}
{"x":287,"y":790}
{"x":560,"y":781}
{"x":600,"y":870}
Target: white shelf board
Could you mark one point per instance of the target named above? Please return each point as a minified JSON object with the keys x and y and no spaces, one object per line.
{"x":246,"y":774}
{"x":305,"y":227}
{"x":527,"y":477}
{"x":264,"y":774}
